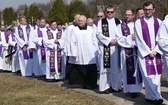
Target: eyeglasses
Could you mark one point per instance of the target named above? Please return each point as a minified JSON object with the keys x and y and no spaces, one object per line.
{"x":128,"y":15}
{"x":99,"y":16}
{"x":110,"y":11}
{"x":148,"y":9}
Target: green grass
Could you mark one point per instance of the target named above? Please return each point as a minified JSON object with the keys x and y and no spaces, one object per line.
{"x":17,"y":90}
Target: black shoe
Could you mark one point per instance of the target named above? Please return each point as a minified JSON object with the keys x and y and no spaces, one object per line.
{"x":134,"y":95}
{"x":1,"y":71}
{"x":90,"y":87}
{"x":115,"y":91}
{"x":50,"y":80}
{"x":43,"y":76}
{"x":158,"y":102}
{"x":150,"y":101}
{"x":107,"y":91}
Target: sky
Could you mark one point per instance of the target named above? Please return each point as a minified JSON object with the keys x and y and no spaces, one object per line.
{"x":16,"y":3}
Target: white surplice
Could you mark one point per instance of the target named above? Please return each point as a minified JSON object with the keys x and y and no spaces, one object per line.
{"x":162,"y":39}
{"x":152,"y":82}
{"x":68,"y":36}
{"x":83,"y":46}
{"x":128,"y":42}
{"x":38,"y":41}
{"x":5,"y":65}
{"x":25,"y":64}
{"x":15,"y":59}
{"x":109,"y":77}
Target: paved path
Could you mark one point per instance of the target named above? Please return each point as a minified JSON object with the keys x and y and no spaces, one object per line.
{"x":120,"y":98}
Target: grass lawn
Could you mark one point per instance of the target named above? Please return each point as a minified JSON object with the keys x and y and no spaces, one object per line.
{"x":17,"y":90}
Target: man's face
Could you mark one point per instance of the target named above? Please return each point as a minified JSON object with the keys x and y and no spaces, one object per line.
{"x":2,"y":28}
{"x":81,"y":22}
{"x":149,"y":10}
{"x":110,"y":12}
{"x":38,"y":22}
{"x":9,"y":32}
{"x":42,"y":23}
{"x":100,"y":16}
{"x":140,"y":13}
{"x":23,"y":21}
{"x":129,"y":16}
{"x":89,"y":22}
{"x":53,"y":26}
{"x":59,"y":27}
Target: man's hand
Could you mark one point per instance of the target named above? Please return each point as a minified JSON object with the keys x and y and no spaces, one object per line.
{"x":74,"y":57}
{"x":27,"y":43}
{"x":56,"y":41}
{"x":133,"y":36}
{"x":24,"y":48}
{"x":113,"y":42}
{"x":153,"y":54}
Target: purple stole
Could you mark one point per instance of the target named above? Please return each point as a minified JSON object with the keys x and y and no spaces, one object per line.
{"x":52,"y":54}
{"x":130,"y":68}
{"x":6,"y":36}
{"x":10,"y":47}
{"x":148,"y":60}
{"x":59,"y":34}
{"x":96,"y":23}
{"x":20,"y":31}
{"x":42,"y":48}
{"x":13,"y":39}
{"x":0,"y":46}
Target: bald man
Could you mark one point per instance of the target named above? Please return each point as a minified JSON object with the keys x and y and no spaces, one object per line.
{"x":68,"y":35}
{"x":100,"y":16}
{"x":83,"y":55}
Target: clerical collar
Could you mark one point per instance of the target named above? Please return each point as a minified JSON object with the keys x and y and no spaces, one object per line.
{"x":23,"y":25}
{"x":128,"y":21}
{"x":109,"y":18}
{"x":83,"y":28}
{"x":75,"y":24}
{"x":148,"y":18}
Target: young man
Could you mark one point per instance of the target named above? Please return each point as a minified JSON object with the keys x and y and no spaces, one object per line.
{"x":149,"y":55}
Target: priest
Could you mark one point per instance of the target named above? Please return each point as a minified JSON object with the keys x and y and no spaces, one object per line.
{"x":22,"y":34}
{"x":83,"y":55}
{"x":55,"y":58}
{"x":126,"y":39}
{"x":149,"y":55}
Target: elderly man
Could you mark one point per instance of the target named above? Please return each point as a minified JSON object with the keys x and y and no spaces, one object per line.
{"x":83,"y":55}
{"x":149,"y":55}
{"x":100,"y":16}
{"x":68,"y":34}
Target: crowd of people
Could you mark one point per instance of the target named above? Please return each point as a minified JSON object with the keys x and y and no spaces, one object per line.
{"x":127,"y":53}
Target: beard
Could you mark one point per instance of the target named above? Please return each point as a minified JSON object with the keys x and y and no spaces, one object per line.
{"x":42,"y":26}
